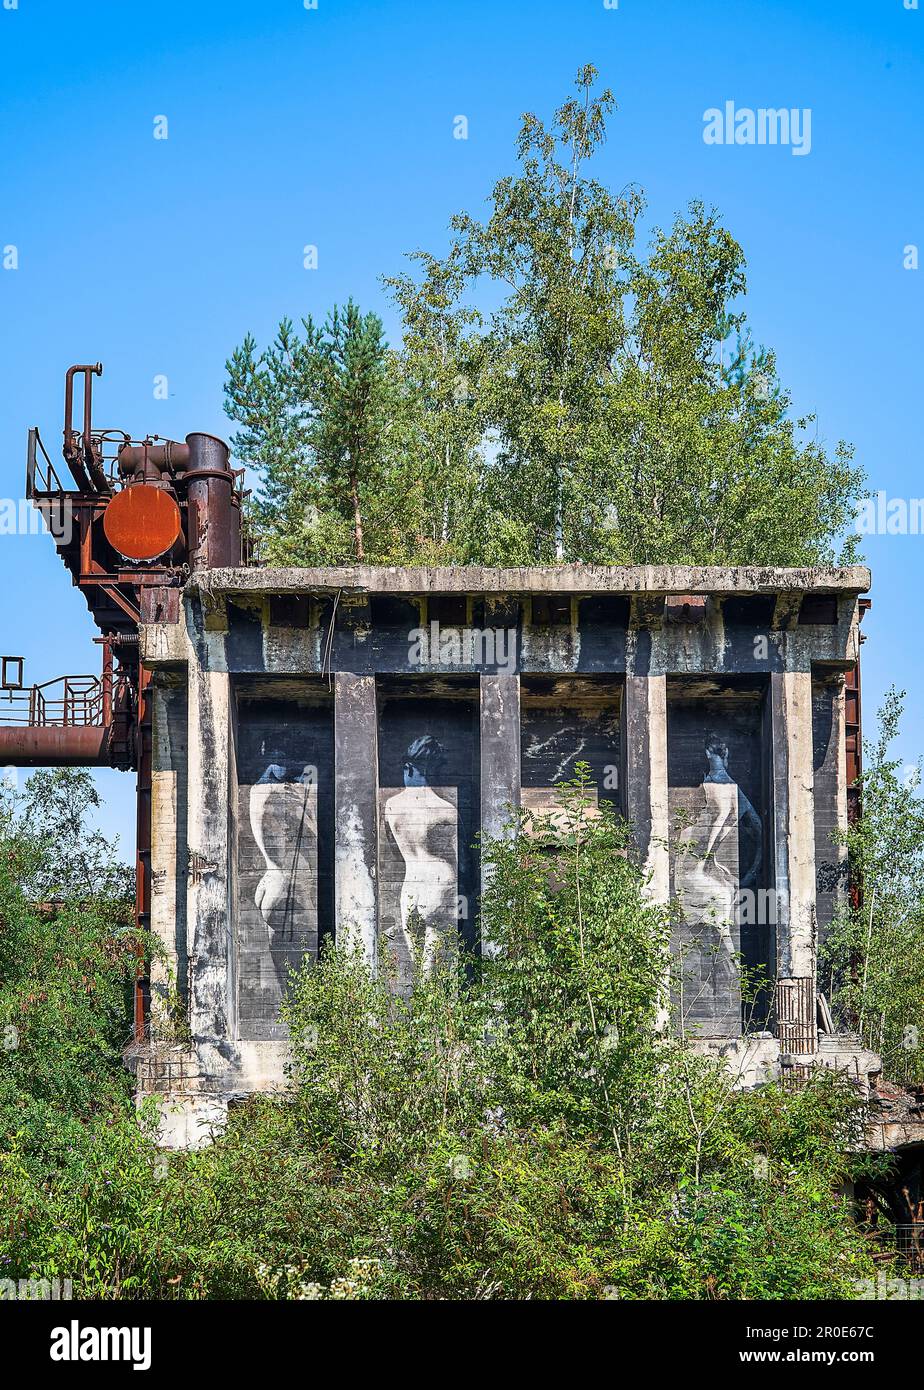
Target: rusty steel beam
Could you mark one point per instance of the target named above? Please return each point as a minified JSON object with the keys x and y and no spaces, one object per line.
{"x":85,"y":745}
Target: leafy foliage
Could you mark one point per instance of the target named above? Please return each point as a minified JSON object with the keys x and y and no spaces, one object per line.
{"x":875,"y":948}
{"x":321,"y":416}
{"x":557,"y":394}
{"x":515,"y":1127}
{"x":68,"y":954}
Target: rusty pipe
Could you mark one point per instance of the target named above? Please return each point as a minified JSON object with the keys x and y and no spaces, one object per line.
{"x":71,"y":455}
{"x":90,"y":462}
{"x":141,"y":460}
{"x":214,"y":508}
{"x":84,"y":745}
{"x":88,"y":416}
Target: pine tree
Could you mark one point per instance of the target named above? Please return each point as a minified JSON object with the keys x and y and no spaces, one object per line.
{"x":319,"y":417}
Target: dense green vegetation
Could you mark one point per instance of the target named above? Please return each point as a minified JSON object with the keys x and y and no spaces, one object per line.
{"x":67,"y":952}
{"x":516,"y":1129}
{"x":874,"y":955}
{"x":556,"y":393}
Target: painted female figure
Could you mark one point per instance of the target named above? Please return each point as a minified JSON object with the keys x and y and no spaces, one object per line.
{"x":283,"y":818}
{"x":423,"y":825}
{"x":711,"y":871}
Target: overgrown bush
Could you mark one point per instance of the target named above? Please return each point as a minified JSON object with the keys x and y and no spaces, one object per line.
{"x":515,"y":1128}
{"x":874,"y":951}
{"x":68,"y":953}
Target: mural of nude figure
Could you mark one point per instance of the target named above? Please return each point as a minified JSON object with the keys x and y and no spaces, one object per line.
{"x":284,"y":822}
{"x":720,"y":855}
{"x":422,"y":820}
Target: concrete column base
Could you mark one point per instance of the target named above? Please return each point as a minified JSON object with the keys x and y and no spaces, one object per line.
{"x":190,"y":1122}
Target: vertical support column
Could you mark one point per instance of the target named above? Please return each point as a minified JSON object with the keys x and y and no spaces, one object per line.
{"x":839,"y":737}
{"x":212,"y":1002}
{"x":169,"y":973}
{"x":142,"y":833}
{"x":644,"y":725}
{"x":830,"y":793}
{"x":499,"y":729}
{"x":644,"y":737}
{"x":794,"y":826}
{"x":356,"y":778}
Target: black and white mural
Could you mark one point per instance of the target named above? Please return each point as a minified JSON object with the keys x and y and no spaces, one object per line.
{"x":284,"y":764}
{"x":566,"y":721}
{"x":428,"y":793}
{"x":717,"y":810}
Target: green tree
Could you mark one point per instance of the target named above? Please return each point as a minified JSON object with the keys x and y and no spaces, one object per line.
{"x":68,"y":955}
{"x":60,"y":855}
{"x":576,"y":974}
{"x":445,"y":430}
{"x":556,"y":395}
{"x":321,"y":419}
{"x":516,"y":1131}
{"x":874,"y":950}
{"x":528,"y":1134}
{"x":615,"y":424}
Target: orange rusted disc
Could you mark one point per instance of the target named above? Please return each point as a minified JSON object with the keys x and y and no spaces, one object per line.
{"x":142,"y":521}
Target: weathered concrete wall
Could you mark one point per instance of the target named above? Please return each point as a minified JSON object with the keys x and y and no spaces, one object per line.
{"x":212,"y":985}
{"x":170,"y":970}
{"x":720,"y":812}
{"x":284,"y":867}
{"x":645,"y":800}
{"x":356,"y":809}
{"x":830,"y":796}
{"x":794,"y":814}
{"x":500,"y":758}
{"x":549,"y":579}
{"x":452,"y":694}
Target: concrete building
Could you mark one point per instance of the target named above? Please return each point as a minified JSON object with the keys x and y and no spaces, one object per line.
{"x":327,"y":745}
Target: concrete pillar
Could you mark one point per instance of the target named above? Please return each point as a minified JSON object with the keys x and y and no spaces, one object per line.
{"x":356,"y":790}
{"x":644,"y":726}
{"x":794,"y":822}
{"x":839,"y":737}
{"x":500,"y":760}
{"x":169,"y":971}
{"x":644,"y":737}
{"x":210,"y":895}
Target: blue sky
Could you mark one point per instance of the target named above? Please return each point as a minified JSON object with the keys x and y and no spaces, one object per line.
{"x":334,"y":127}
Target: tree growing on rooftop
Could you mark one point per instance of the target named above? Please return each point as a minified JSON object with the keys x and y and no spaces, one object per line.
{"x":321,"y":419}
{"x":625,"y":415}
{"x":557,"y":394}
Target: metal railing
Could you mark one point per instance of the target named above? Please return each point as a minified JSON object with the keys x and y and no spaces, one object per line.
{"x":904,"y":1241}
{"x":63,"y":702}
{"x":909,"y":1243}
{"x":794,"y":1015}
{"x":41,"y":476}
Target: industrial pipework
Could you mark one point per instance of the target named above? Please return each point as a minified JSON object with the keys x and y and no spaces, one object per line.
{"x":143,"y":515}
{"x":140,"y":517}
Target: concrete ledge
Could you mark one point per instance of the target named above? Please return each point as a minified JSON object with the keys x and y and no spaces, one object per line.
{"x":560,"y":579}
{"x":163,"y":644}
{"x":753,"y":1059}
{"x":885,"y":1136}
{"x":190,"y":1122}
{"x":845,"y":1053}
